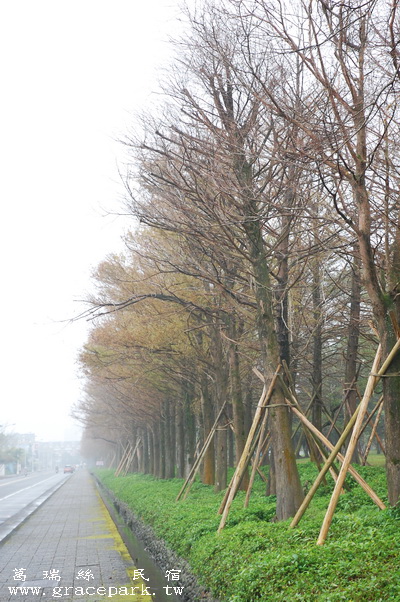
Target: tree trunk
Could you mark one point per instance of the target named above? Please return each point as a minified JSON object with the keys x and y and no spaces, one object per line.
{"x":391,"y":393}
{"x":190,"y":430}
{"x":221,"y":393}
{"x":240,"y":434}
{"x":180,"y":440}
{"x":146,"y":451}
{"x":170,"y":439}
{"x":221,"y":459}
{"x":208,"y":421}
{"x":271,"y":483}
{"x":288,"y":487}
{"x":231,"y":449}
{"x":316,"y":376}
{"x":281,"y":290}
{"x":386,"y":309}
{"x":162,"y":428}
{"x":156,"y":448}
{"x":350,"y":379}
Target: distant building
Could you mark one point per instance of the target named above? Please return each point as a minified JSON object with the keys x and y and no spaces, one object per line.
{"x":29,"y":454}
{"x":58,"y":453}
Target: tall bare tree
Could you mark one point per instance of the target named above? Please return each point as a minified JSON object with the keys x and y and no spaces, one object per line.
{"x":348,"y":55}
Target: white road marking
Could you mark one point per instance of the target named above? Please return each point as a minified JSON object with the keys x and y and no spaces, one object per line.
{"x":25,"y":488}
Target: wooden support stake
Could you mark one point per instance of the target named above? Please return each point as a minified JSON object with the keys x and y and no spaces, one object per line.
{"x":123,"y":459}
{"x":299,"y":443}
{"x":299,"y":424}
{"x":344,"y":400}
{"x":311,"y":441}
{"x":112,"y":460}
{"x":196,"y":464}
{"x":131,"y":456}
{"x":351,"y":470}
{"x":263,"y":477}
{"x":265,"y":447}
{"x":371,"y":383}
{"x":312,"y":398}
{"x":126,"y":460}
{"x":307,"y":500}
{"x":378,"y":438}
{"x":369,"y":418}
{"x":119,"y":463}
{"x":371,"y":437}
{"x":245,"y":458}
{"x":370,"y":415}
{"x":257,"y":458}
{"x":247,"y":462}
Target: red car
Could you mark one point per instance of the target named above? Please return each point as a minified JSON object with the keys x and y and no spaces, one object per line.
{"x":68,"y":468}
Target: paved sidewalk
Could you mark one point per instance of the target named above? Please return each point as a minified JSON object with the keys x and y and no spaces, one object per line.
{"x":69,"y":550}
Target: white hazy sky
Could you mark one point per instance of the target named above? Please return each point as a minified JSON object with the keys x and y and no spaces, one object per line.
{"x":72,"y":75}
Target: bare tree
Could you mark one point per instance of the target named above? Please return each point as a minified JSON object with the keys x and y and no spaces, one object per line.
{"x":348,"y":55}
{"x":212,"y":176}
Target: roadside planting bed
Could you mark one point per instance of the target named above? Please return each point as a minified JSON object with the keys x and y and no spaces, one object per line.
{"x":256,"y":558}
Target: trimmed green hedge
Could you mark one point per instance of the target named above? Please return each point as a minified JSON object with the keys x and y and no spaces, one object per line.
{"x":255,"y":558}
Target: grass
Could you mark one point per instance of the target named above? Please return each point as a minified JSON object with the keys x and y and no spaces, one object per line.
{"x":255,"y":558}
{"x":376,"y":459}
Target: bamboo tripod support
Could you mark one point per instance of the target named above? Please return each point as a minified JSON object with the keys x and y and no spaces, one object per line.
{"x":196,"y":464}
{"x":257,"y":458}
{"x":311,"y":434}
{"x":123,"y":460}
{"x":335,"y":452}
{"x":375,"y":376}
{"x":243,"y":468}
{"x":246,"y":455}
{"x":256,"y":439}
{"x":371,"y":384}
{"x":373,"y":433}
{"x":370,"y":415}
{"x":343,"y":403}
{"x":127,"y":458}
{"x":131,"y":456}
{"x":111,"y":462}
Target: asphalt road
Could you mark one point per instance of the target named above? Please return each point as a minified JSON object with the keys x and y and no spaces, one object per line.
{"x":20,"y":496}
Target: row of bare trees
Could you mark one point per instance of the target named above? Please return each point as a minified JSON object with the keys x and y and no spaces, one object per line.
{"x":267,"y":193}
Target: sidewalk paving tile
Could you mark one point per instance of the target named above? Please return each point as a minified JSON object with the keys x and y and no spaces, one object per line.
{"x":69,"y":550}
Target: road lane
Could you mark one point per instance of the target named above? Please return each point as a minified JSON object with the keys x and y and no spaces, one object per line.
{"x":20,"y":496}
{"x":15,"y":482}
